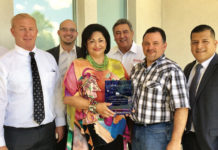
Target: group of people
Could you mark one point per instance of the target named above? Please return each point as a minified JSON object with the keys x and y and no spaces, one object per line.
{"x":58,"y":102}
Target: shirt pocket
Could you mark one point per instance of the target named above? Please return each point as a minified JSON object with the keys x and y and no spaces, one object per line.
{"x":50,"y":80}
{"x":152,"y":85}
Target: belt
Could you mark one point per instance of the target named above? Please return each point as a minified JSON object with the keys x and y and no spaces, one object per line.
{"x":40,"y":126}
{"x":141,"y":124}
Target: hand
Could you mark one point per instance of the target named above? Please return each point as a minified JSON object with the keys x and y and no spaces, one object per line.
{"x":104,"y":111}
{"x":59,"y":132}
{"x":3,"y":148}
{"x":174,"y":145}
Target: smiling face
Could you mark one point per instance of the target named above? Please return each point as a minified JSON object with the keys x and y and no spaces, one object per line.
{"x":67,"y":32}
{"x":25,"y":32}
{"x":123,"y":37}
{"x":96,"y":45}
{"x":203,"y":45}
{"x":153,"y":47}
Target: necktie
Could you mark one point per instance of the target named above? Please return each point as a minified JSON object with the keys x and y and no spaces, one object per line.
{"x":194,"y":84}
{"x":39,"y":113}
{"x":193,"y":91}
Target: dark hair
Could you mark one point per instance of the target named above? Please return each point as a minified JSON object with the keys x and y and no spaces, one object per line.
{"x":156,"y":29}
{"x":123,"y":21}
{"x":87,"y":33}
{"x":201,"y":28}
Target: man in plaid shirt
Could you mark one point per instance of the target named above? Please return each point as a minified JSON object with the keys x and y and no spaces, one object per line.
{"x":160,"y":99}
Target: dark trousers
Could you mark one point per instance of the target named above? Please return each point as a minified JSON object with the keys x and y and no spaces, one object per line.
{"x":62,"y":144}
{"x":38,"y":138}
{"x":189,"y":141}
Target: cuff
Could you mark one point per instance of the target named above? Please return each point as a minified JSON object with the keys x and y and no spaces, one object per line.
{"x":2,"y":141}
{"x":60,"y":121}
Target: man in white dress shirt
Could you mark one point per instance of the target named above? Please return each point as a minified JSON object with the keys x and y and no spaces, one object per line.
{"x":64,"y":54}
{"x":126,"y":51}
{"x":18,"y":128}
{"x":67,"y":50}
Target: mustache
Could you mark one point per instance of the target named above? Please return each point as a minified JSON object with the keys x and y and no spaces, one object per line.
{"x":200,"y":50}
{"x":149,"y":50}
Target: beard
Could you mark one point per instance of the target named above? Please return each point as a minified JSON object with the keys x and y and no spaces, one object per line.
{"x":69,"y":41}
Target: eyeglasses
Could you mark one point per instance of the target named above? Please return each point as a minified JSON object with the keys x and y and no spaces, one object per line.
{"x":72,"y":30}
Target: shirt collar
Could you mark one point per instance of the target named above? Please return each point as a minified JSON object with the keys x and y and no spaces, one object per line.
{"x":206,"y":62}
{"x":23,"y":51}
{"x":158,"y":61}
{"x":71,"y":51}
{"x":133,"y":49}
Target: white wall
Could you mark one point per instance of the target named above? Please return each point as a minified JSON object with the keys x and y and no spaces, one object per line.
{"x":143,"y":14}
{"x":6,"y":13}
{"x":148,"y":13}
{"x":179,"y":17}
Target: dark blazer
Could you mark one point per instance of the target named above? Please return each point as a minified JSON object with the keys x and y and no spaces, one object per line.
{"x":205,"y":108}
{"x":56,"y":51}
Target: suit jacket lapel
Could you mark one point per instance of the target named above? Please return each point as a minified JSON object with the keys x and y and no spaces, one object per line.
{"x":56,"y":53}
{"x":208,"y":73}
{"x":187,"y":70}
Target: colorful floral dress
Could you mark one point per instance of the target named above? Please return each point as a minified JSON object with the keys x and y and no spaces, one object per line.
{"x":91,"y":131}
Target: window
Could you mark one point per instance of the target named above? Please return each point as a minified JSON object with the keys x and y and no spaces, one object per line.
{"x":48,"y":14}
{"x":109,"y":11}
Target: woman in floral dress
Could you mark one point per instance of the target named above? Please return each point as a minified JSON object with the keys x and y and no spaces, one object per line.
{"x":96,"y":126}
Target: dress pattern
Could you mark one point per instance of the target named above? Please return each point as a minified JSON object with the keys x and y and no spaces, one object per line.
{"x":91,"y":131}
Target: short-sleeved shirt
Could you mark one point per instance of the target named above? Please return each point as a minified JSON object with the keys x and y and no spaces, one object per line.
{"x":158,"y":90}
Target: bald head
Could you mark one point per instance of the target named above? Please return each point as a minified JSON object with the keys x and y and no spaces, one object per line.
{"x":67,"y":22}
{"x":67,"y":33}
{"x":21,"y":16}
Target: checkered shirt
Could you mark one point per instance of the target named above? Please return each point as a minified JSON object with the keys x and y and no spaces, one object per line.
{"x":158,"y":90}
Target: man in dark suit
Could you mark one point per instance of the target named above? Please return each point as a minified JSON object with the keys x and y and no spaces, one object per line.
{"x":64,"y":54}
{"x":202,"y":127}
{"x":67,"y":33}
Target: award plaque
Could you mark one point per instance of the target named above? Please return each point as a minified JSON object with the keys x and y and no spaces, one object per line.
{"x":119,"y":93}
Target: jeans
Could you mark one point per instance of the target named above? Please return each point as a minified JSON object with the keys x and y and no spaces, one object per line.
{"x":151,"y":137}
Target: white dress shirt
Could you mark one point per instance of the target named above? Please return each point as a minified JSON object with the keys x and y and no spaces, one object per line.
{"x":3,"y":50}
{"x":16,"y":101}
{"x":202,"y":71}
{"x":130,"y":58}
{"x":65,"y":59}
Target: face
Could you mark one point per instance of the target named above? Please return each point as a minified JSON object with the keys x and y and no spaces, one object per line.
{"x":203,"y":45}
{"x":67,"y":32}
{"x":96,"y":45}
{"x":25,"y":32}
{"x":123,"y":37}
{"x":153,"y":47}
